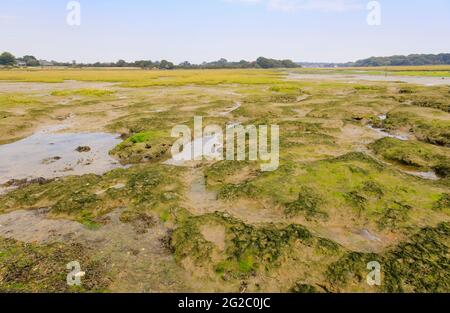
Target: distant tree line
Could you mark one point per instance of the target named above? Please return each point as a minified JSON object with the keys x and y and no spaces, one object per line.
{"x":220,"y":64}
{"x":403,"y":60}
{"x":7,"y":59}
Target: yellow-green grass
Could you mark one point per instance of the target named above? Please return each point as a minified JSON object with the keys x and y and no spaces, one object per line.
{"x":8,"y":100}
{"x":83,"y":92}
{"x":146,"y":78}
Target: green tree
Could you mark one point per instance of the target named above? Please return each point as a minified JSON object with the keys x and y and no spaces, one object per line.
{"x":30,"y":60}
{"x":289,"y":64}
{"x":264,"y":62}
{"x":166,"y":65}
{"x":7,"y":58}
{"x":121,"y":63}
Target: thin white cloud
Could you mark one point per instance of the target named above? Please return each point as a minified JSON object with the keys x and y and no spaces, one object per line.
{"x":5,"y":19}
{"x":332,"y":5}
{"x":243,"y":1}
{"x":283,"y":5}
{"x":308,"y":5}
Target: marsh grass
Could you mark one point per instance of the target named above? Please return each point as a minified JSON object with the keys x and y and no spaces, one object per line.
{"x":83,"y":92}
{"x":248,"y":249}
{"x":42,"y":268}
{"x":418,"y":155}
{"x":434,"y":129}
{"x":420,"y":264}
{"x":89,"y":197}
{"x":142,"y":78}
{"x":298,"y":224}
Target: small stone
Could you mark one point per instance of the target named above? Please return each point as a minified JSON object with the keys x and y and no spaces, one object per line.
{"x":83,"y":149}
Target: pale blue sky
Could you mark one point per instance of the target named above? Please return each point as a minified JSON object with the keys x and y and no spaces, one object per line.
{"x":206,"y":30}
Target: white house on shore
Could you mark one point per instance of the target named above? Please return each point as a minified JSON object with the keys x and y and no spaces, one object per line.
{"x":45,"y":63}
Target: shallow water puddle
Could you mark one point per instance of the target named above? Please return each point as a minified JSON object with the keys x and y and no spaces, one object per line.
{"x":431,"y":175}
{"x":208,"y":146}
{"x":384,"y":133}
{"x":365,"y":233}
{"x":353,"y":78}
{"x":198,"y":194}
{"x":231,"y":110}
{"x":49,"y":154}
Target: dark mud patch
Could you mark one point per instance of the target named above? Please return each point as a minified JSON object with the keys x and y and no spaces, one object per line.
{"x":137,"y":260}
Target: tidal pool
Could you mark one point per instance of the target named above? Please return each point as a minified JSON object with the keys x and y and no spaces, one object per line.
{"x":384,"y":133}
{"x":51,"y":154}
{"x":351,"y":78}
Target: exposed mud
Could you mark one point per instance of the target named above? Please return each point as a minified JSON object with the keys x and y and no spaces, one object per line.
{"x":198,"y":197}
{"x":362,"y":240}
{"x":44,"y":88}
{"x":33,"y":226}
{"x":138,"y":260}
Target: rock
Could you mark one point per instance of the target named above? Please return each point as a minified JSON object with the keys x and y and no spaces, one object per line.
{"x":51,"y":160}
{"x":20,"y":183}
{"x":83,"y":149}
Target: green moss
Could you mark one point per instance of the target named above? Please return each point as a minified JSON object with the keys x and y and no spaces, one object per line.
{"x":145,"y":136}
{"x":188,"y":242}
{"x":443,"y":203}
{"x":434,"y":131}
{"x":441,"y":104}
{"x":223,"y":172}
{"x":42,"y":268}
{"x":85,"y":198}
{"x":143,"y":147}
{"x":83,"y":92}
{"x":360,"y":186}
{"x":393,"y":215}
{"x":420,"y":264}
{"x":414,"y":154}
{"x":139,"y":220}
{"x":246,"y":264}
{"x":303,"y":288}
{"x":248,"y":248}
{"x":308,"y":203}
{"x":234,"y":191}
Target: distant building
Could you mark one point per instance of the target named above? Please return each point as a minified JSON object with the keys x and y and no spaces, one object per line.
{"x":45,"y":63}
{"x":21,"y":63}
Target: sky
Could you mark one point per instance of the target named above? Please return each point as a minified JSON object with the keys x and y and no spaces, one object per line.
{"x":207,"y":30}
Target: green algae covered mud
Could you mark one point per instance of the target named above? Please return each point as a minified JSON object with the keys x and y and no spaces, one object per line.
{"x":359,"y":201}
